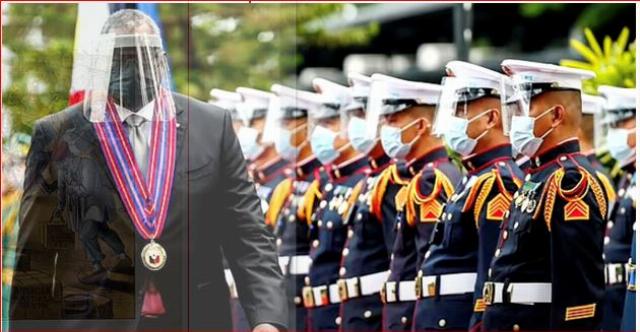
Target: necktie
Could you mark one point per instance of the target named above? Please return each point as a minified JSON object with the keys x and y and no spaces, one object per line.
{"x":138,"y":141}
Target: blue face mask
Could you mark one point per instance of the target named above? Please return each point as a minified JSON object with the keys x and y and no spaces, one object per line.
{"x":617,"y":144}
{"x":248,"y":138}
{"x":322,"y":140}
{"x":392,"y":144}
{"x":356,"y":130}
{"x":455,"y":134}
{"x":283,"y":145}
{"x":522,"y":137}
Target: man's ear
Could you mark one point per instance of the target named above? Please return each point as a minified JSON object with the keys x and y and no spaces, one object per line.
{"x":559,"y":113}
{"x":493,"y":118}
{"x":423,"y":125}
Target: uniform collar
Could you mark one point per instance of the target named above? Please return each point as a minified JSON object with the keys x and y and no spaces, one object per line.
{"x":416,"y":165}
{"x":270,"y":170}
{"x":357,"y":165}
{"x":566,"y":147}
{"x":379,"y":163}
{"x":482,"y":159}
{"x":307,"y":167}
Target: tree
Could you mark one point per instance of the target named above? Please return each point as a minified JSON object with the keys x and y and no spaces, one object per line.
{"x":210,"y":45}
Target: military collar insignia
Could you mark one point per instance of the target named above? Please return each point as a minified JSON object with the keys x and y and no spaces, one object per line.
{"x":481,"y":160}
{"x":304,"y":168}
{"x":416,"y":165}
{"x":269,"y":171}
{"x":567,"y":147}
{"x":348,"y":168}
{"x":379,"y":163}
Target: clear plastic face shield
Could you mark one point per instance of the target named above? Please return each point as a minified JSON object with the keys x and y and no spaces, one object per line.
{"x":456,"y":99}
{"x":128,"y":73}
{"x":286,"y":126}
{"x":327,"y":129}
{"x":250,"y":133}
{"x":459,"y":106}
{"x":381,"y":103}
{"x":354,"y":116}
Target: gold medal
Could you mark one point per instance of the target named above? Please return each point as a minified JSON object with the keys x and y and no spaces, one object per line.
{"x":154,"y":257}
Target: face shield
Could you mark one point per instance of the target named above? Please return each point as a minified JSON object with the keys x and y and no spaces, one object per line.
{"x":250,"y":133}
{"x":454,"y":111}
{"x":286,"y":126}
{"x":354,"y":116}
{"x":325,"y":125}
{"x":129,"y":74}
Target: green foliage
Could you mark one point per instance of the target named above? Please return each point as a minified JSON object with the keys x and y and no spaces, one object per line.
{"x":533,"y":10}
{"x":210,"y":45}
{"x":614,"y":62}
{"x":50,"y":64}
{"x":252,"y":45}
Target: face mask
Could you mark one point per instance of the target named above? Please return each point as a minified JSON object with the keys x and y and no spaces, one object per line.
{"x":455,"y":134}
{"x":322,"y":140}
{"x":617,"y":144}
{"x":248,"y":138}
{"x":392,"y":144}
{"x":356,"y":130}
{"x":283,"y":145}
{"x":522,"y":137}
{"x":125,"y":85}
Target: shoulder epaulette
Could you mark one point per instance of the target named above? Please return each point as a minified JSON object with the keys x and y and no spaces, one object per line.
{"x":498,"y":205}
{"x":379,"y":188}
{"x":575,"y":207}
{"x":608,"y":187}
{"x":278,"y":199}
{"x":430,"y":207}
{"x":305,"y":210}
{"x":353,"y":198}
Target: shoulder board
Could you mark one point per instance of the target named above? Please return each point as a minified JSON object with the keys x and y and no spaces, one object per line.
{"x":305,"y":210}
{"x":608,"y":187}
{"x":379,"y":188}
{"x":429,"y":205}
{"x":475,"y":189}
{"x":353,"y":197}
{"x":575,"y":207}
{"x":396,"y":177}
{"x":278,"y":199}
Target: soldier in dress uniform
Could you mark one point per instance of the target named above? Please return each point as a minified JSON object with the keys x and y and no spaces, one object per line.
{"x":365,"y":256}
{"x":547,"y":272}
{"x":295,"y":198}
{"x":621,"y":120}
{"x":450,"y":280}
{"x":403,"y":112}
{"x":346,"y":167}
{"x":267,"y":168}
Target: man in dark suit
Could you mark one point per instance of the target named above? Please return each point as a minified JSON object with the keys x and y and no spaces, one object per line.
{"x":212,"y":208}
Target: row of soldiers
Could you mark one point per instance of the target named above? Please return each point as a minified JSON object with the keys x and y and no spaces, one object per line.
{"x":474,"y":204}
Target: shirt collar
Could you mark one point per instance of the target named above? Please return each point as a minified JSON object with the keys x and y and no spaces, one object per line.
{"x":146,"y":112}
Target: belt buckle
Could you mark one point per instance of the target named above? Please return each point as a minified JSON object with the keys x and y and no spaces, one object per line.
{"x":488,"y":292}
{"x":383,"y":294}
{"x":307,"y":297}
{"x":431,"y":288}
{"x":418,"y":285}
{"x":324,"y":295}
{"x":391,"y":292}
{"x":343,"y":291}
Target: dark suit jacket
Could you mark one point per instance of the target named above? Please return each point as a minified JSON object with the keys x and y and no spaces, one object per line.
{"x":213,"y":208}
